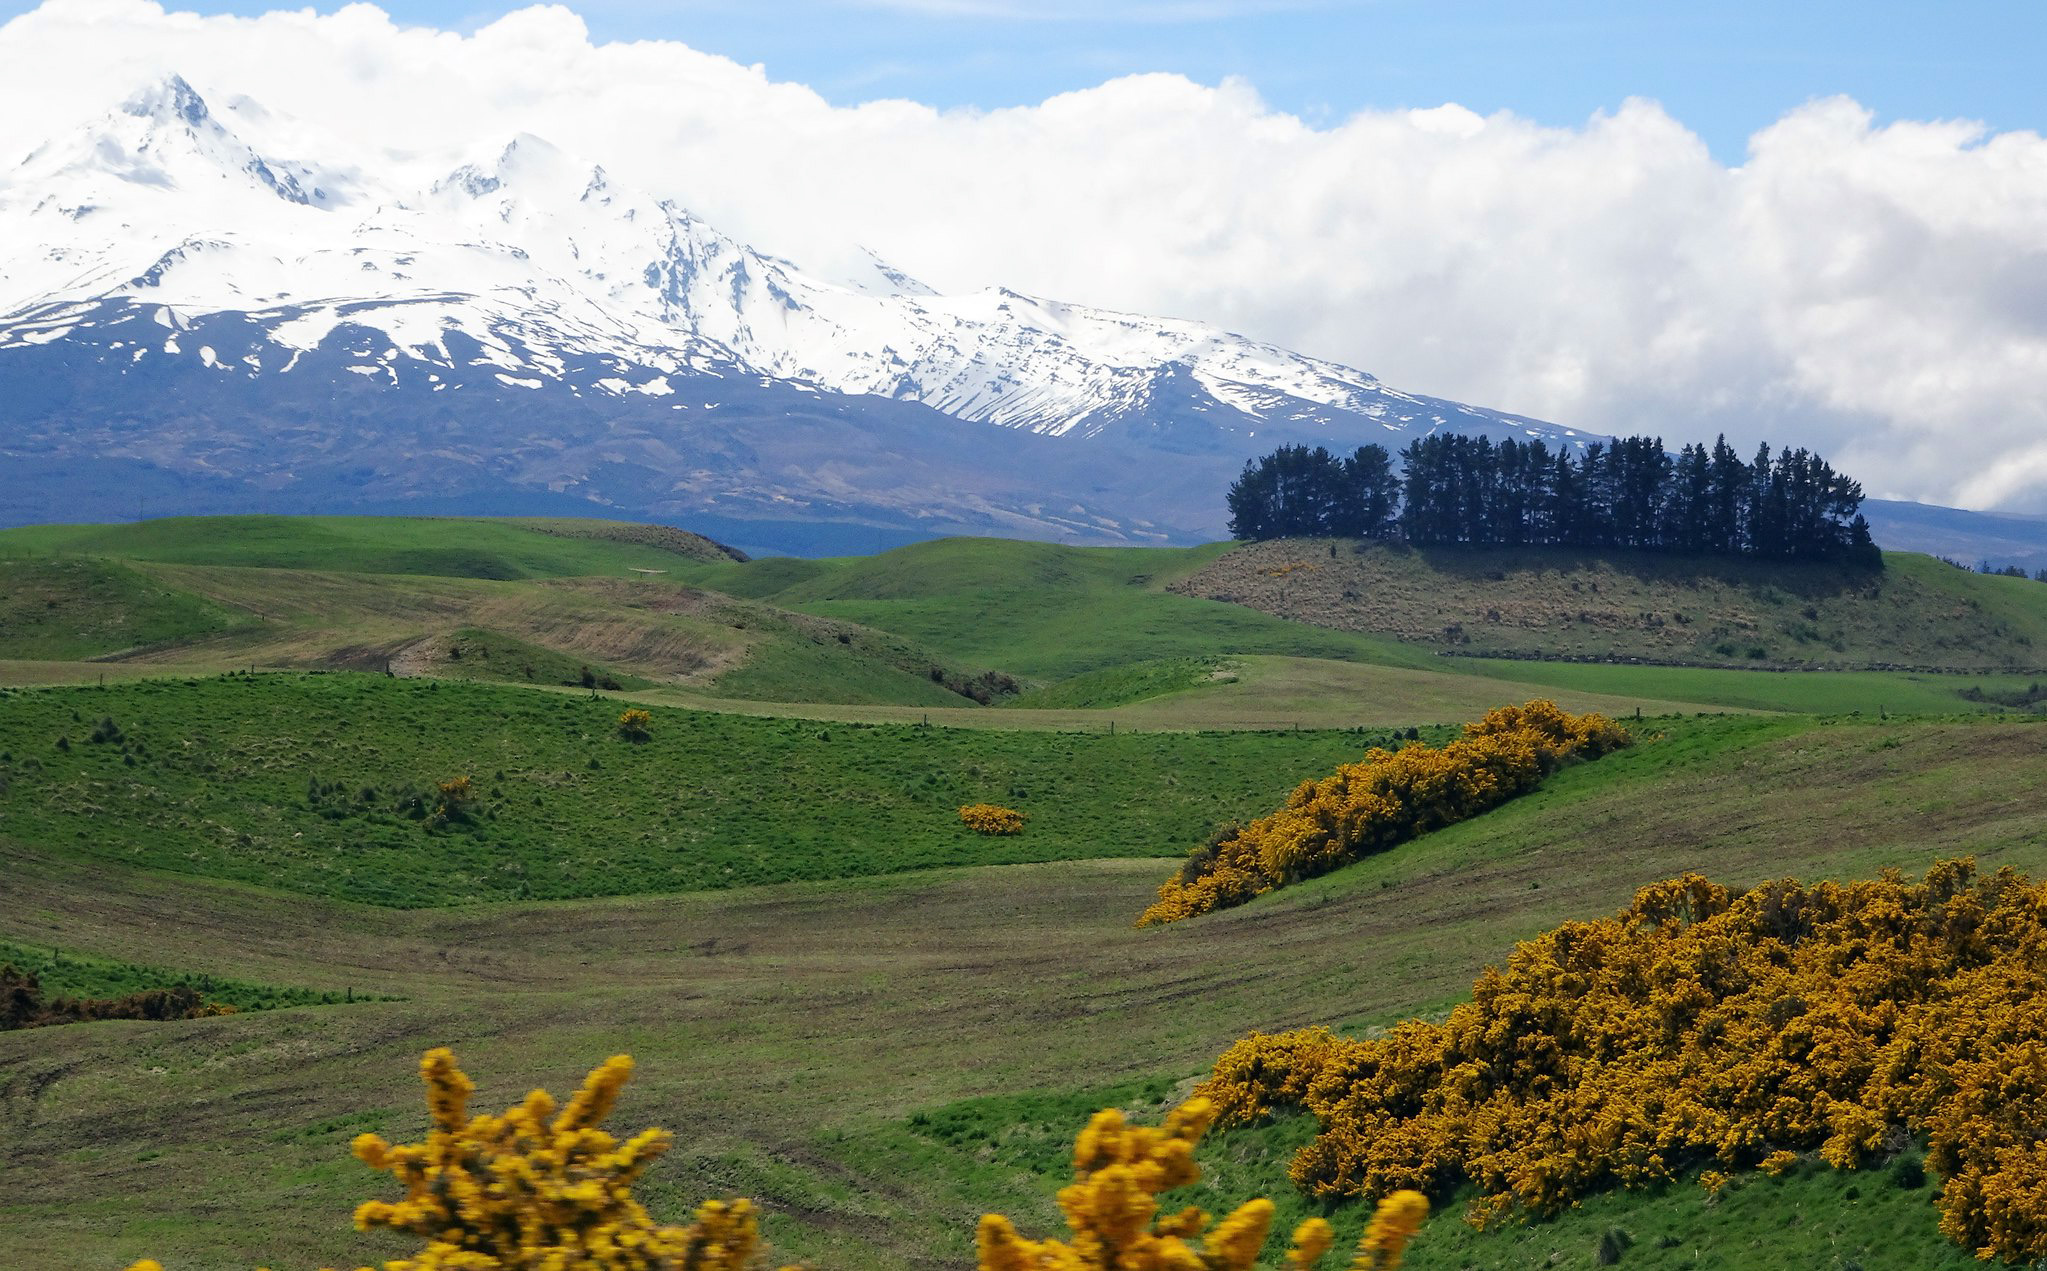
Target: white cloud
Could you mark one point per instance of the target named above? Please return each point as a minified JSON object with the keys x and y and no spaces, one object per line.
{"x":1876,"y":292}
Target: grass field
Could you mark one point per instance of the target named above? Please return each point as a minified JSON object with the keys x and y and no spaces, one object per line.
{"x":324,"y":784}
{"x":1720,"y":611}
{"x":1040,"y":610}
{"x":792,"y":1035}
{"x":1804,"y":692}
{"x":1253,"y":692}
{"x":62,"y":974}
{"x":57,"y":610}
{"x":444,"y":547}
{"x":844,"y":1004}
{"x":1085,"y":630}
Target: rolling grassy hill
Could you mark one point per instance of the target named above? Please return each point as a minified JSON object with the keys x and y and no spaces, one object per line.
{"x":443,"y":547}
{"x":324,"y":784}
{"x":1041,"y":610}
{"x":846,"y":1005}
{"x":1121,"y":617}
{"x":1571,"y":603}
{"x":84,"y":607}
{"x":828,"y":1047}
{"x":1088,"y":634}
{"x":532,"y":602}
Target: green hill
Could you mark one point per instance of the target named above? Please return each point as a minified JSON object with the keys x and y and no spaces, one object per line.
{"x":1108,"y":633}
{"x":1118,"y":615}
{"x":325,"y":784}
{"x":448,"y":548}
{"x":879,"y":1060}
{"x":84,"y":607}
{"x":531,"y":602}
{"x":847,"y":1006}
{"x":1561,"y":603}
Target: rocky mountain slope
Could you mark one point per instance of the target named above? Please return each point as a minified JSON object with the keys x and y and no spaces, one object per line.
{"x":194,"y":315}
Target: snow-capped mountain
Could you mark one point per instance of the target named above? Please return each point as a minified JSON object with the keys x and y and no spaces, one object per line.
{"x":188,"y":315}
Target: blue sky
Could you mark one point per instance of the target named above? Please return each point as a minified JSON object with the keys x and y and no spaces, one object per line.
{"x":1724,"y":69}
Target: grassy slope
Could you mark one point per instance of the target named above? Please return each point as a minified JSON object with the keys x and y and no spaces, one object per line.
{"x":1059,"y":612}
{"x":1041,"y":610}
{"x":1917,"y":612}
{"x":1123,"y":685}
{"x":452,"y":548}
{"x":81,"y":608}
{"x":791,"y":1034}
{"x":62,"y":974}
{"x":214,"y":778}
{"x":212,"y":617}
{"x":1813,"y":1217}
{"x":1807,"y":692}
{"x":475,"y":653}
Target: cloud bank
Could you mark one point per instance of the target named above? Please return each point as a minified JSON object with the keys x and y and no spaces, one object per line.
{"x":1877,"y":292}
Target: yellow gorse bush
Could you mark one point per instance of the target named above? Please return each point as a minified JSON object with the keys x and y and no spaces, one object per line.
{"x":538,"y":1189}
{"x":991,"y":818}
{"x":635,"y":724}
{"x":453,"y":798}
{"x":1112,"y":1211}
{"x":541,"y":1189}
{"x":1386,"y":798}
{"x":1698,"y":1027}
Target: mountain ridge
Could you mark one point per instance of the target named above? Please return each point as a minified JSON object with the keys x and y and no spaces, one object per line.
{"x":176,"y":277}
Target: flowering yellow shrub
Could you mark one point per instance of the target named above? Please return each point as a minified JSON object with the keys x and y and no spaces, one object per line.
{"x":453,"y":798}
{"x":1112,"y":1210}
{"x":636,"y":724}
{"x":1703,"y":1026}
{"x":1386,"y":798}
{"x":536,"y":1189}
{"x":991,"y":818}
{"x":540,"y":1188}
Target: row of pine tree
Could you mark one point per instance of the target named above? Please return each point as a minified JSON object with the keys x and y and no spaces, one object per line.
{"x":1631,"y":493}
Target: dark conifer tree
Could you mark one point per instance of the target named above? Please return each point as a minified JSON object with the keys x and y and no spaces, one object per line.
{"x":1370,"y":496}
{"x":1630,"y":493}
{"x":1727,"y":500}
{"x":1686,"y":508}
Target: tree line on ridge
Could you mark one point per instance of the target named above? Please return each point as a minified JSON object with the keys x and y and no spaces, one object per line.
{"x":1631,"y":493}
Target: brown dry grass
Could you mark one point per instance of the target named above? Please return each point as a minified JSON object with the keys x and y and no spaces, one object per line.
{"x":1561,"y":603}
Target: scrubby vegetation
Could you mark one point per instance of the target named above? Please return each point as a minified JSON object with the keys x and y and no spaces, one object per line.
{"x":991,"y":819}
{"x":1605,"y":607}
{"x":23,"y":1003}
{"x":538,"y":1188}
{"x":1386,"y":798}
{"x":48,"y":986}
{"x":1113,"y":1212}
{"x":1748,"y":1030}
{"x":635,"y":724}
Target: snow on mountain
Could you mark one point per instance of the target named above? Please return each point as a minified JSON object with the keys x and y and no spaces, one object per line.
{"x":162,"y":241}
